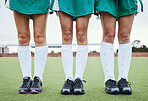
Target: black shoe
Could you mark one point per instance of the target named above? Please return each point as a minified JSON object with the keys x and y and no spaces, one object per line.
{"x":25,"y":88}
{"x":67,"y":87}
{"x":78,"y":87}
{"x":111,"y":87}
{"x":36,"y":86}
{"x":124,"y":86}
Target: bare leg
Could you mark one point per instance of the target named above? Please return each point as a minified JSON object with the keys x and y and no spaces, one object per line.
{"x":67,"y":27}
{"x":22,"y":25}
{"x":109,"y":27}
{"x":125,"y":26}
{"x":81,"y":29}
{"x":39,"y":25}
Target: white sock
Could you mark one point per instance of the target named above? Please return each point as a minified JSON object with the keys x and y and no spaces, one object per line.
{"x":24,"y":56}
{"x":81,"y":60}
{"x":107,"y":60}
{"x":124,"y":60}
{"x":40,"y":60}
{"x":67,"y":60}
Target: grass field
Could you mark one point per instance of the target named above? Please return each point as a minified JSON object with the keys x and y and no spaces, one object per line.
{"x":53,"y":79}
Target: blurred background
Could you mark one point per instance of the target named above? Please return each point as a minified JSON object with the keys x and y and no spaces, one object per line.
{"x":8,"y":33}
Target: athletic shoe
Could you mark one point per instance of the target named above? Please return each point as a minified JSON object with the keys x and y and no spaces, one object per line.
{"x":67,"y":87}
{"x":25,"y":88}
{"x":111,"y":87}
{"x":78,"y":87}
{"x":36,"y":86}
{"x":124,"y":86}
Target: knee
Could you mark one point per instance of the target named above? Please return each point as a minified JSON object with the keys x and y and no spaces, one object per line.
{"x":39,"y":38}
{"x":109,"y":37}
{"x":67,"y":37}
{"x":124,"y":37}
{"x":24,"y":38}
{"x":81,"y":38}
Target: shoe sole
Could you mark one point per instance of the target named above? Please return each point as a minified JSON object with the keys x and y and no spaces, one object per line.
{"x":35,"y":92}
{"x":126,"y":92}
{"x":78,"y":92}
{"x":66,"y":92}
{"x":23,"y":92}
{"x":114,"y":92}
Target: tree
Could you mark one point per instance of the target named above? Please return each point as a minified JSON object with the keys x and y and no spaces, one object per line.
{"x":93,"y":51}
{"x":136,"y":43}
{"x":52,"y":51}
{"x":137,"y":47}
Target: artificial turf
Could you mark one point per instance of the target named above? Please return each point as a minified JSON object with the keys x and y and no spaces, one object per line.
{"x":53,"y":80}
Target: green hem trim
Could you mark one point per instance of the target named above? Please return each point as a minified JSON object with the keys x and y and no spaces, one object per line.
{"x":73,"y":15}
{"x":29,"y":13}
{"x":119,"y":15}
{"x":128,"y":13}
{"x":110,"y":12}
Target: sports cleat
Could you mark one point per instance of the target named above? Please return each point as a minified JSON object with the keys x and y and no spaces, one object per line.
{"x":124,"y":86}
{"x":111,"y":87}
{"x":25,"y":88}
{"x":78,"y":87}
{"x":36,"y":86}
{"x":67,"y":87}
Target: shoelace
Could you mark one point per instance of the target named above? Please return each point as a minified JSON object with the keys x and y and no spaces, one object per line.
{"x":68,"y":83}
{"x":78,"y":82}
{"x":124,"y":83}
{"x":129,"y":84}
{"x":84,"y":81}
{"x":25,"y":83}
{"x":112,"y":83}
{"x":35,"y":83}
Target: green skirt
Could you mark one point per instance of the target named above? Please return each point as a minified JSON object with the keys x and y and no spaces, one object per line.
{"x":76,"y":8}
{"x":29,"y":7}
{"x":119,"y":8}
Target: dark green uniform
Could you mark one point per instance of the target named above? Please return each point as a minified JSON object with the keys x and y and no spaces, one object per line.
{"x":119,"y":8}
{"x":76,"y":8}
{"x":30,"y":7}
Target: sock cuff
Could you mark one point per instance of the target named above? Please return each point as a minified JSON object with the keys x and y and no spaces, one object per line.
{"x":45,"y":48}
{"x":105,"y":44}
{"x":67,"y":47}
{"x":82,"y":47}
{"x":23,"y":47}
{"x":107,"y":47}
{"x":41,"y":47}
{"x":125,"y":45}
